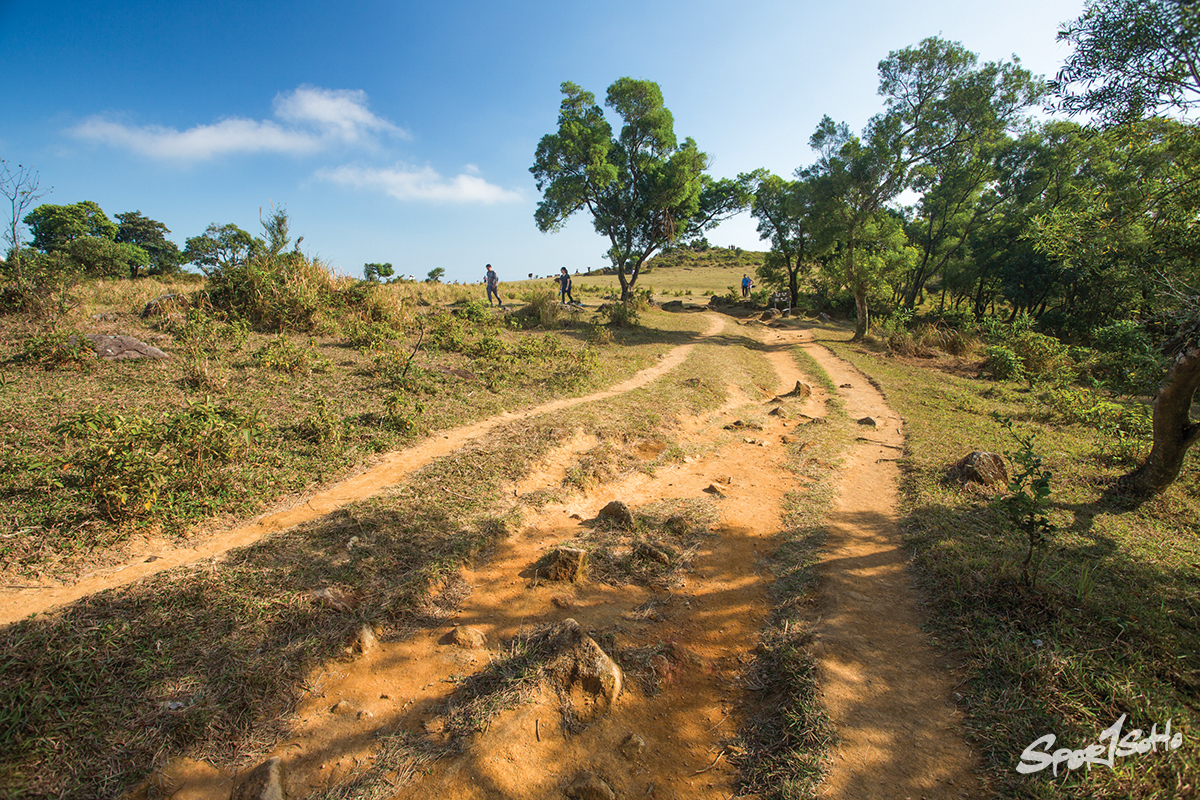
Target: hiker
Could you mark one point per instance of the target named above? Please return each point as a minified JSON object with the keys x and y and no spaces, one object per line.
{"x":492,"y":282}
{"x":564,"y":286}
{"x":746,"y":284}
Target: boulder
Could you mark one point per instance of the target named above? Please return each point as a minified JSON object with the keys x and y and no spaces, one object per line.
{"x":980,"y":467}
{"x":769,"y":315}
{"x":122,"y":348}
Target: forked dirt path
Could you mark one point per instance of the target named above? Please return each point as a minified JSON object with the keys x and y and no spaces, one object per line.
{"x":19,"y":602}
{"x":884,"y":686}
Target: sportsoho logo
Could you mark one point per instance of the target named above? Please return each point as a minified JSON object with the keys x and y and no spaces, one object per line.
{"x":1040,"y":754}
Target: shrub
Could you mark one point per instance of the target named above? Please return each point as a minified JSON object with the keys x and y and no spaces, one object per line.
{"x":136,"y":466}
{"x":1003,"y":363}
{"x":282,"y":355}
{"x":67,"y":349}
{"x":619,"y":315}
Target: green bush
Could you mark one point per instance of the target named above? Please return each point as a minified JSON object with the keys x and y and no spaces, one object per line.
{"x":619,"y":315}
{"x":135,"y":466}
{"x":281,"y":354}
{"x":65,"y":349}
{"x":1003,"y":363}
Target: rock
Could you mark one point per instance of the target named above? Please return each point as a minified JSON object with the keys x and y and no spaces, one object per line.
{"x":589,"y":786}
{"x":564,"y":564}
{"x":802,"y":390}
{"x":617,"y":513}
{"x":678,"y":525}
{"x":824,"y":317}
{"x":787,"y":438}
{"x":340,"y":707}
{"x":364,"y":639}
{"x":869,"y":422}
{"x":777,"y":411}
{"x":715,"y":489}
{"x":579,"y":660}
{"x":467,"y":638}
{"x":738,"y":425}
{"x":652,"y":552}
{"x":673,"y":305}
{"x":846,"y":386}
{"x":632,"y":747}
{"x":164,"y":305}
{"x":562,"y":601}
{"x":769,"y":315}
{"x":335,"y":599}
{"x":980,"y":467}
{"x":122,"y":348}
{"x":267,"y":781}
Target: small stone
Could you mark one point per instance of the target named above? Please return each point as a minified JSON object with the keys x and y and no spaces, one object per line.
{"x":714,"y":489}
{"x":846,"y":386}
{"x":633,"y":746}
{"x":802,"y":390}
{"x":562,"y":601}
{"x":267,"y":781}
{"x":564,"y":564}
{"x":589,"y":786}
{"x":617,"y":513}
{"x":980,"y":467}
{"x":678,"y":525}
{"x":787,"y":438}
{"x":652,"y":552}
{"x":467,"y":638}
{"x":869,"y":422}
{"x":364,"y":639}
{"x":340,"y":707}
{"x":777,"y":412}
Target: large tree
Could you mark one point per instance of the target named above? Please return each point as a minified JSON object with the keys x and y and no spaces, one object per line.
{"x":787,"y":217}
{"x":642,"y":187}
{"x":220,"y":247}
{"x":150,"y":236}
{"x":54,"y":227}
{"x":1131,"y":58}
{"x":938,"y":102}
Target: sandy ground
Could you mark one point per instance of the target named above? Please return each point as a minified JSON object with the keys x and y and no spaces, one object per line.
{"x":886,"y":689}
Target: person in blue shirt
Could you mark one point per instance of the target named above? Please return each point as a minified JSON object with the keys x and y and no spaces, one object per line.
{"x":564,"y":286}
{"x":492,"y":282}
{"x":746,"y":284}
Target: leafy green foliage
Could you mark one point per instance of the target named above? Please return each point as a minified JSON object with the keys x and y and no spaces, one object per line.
{"x":643,"y":188}
{"x":60,"y":349}
{"x":1028,"y":498}
{"x":137,"y":466}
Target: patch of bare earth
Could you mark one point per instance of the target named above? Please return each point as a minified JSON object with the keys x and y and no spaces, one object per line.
{"x":684,"y":641}
{"x":887,"y":690}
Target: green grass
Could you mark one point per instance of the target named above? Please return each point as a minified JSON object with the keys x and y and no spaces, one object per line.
{"x":1110,"y":628}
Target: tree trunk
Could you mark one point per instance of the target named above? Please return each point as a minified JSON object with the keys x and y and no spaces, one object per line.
{"x":1174,"y":432}
{"x":863,"y":324}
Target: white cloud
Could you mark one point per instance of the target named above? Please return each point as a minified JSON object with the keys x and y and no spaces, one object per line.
{"x":408,"y":183}
{"x":311,"y":119}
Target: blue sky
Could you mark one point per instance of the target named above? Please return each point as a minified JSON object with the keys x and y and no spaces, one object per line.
{"x":403,"y":132}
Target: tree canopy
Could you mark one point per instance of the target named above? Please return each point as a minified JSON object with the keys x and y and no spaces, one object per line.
{"x":643,"y":188}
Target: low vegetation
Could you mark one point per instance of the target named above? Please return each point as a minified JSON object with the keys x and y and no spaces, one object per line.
{"x":1108,"y":627}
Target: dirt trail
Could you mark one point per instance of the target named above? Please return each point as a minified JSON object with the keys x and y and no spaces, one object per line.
{"x":886,"y":688}
{"x":19,"y":602}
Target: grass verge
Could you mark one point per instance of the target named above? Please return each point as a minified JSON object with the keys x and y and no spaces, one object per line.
{"x":1110,"y":629}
